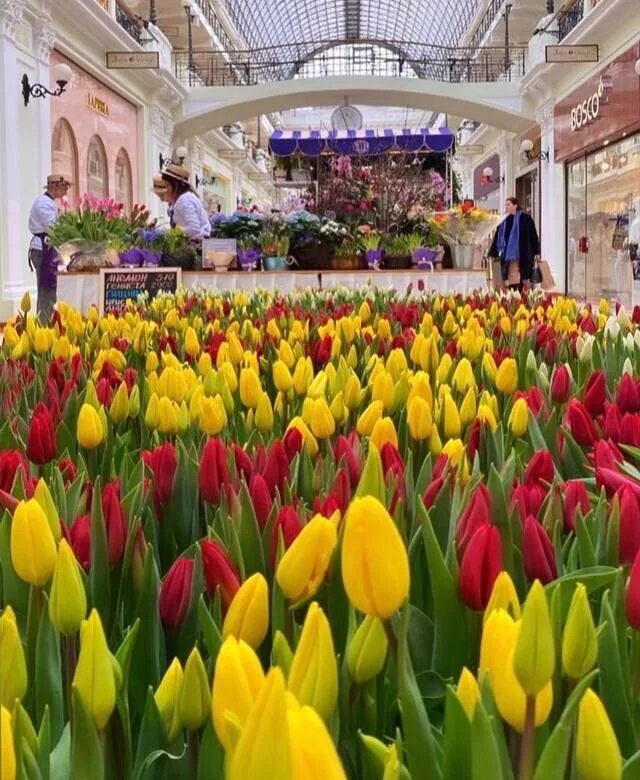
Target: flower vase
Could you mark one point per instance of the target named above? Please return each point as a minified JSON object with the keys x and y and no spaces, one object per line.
{"x":462,"y":255}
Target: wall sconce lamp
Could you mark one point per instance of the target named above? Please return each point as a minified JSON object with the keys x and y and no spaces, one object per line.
{"x":526,"y":148}
{"x":205,"y":181}
{"x":489,"y":178}
{"x":62,"y":74}
{"x":181,"y":153}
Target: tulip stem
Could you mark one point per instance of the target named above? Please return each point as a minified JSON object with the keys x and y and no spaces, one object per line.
{"x":634,"y":661}
{"x":194,"y":752}
{"x":527,"y":746}
{"x":69,"y":650}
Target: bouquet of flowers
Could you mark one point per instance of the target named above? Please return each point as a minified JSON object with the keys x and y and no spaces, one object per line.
{"x":240,"y":223}
{"x":464,"y":224}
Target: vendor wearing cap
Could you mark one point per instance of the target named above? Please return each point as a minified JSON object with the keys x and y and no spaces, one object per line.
{"x":187,"y":209}
{"x":43,"y":259}
{"x":161,"y":189}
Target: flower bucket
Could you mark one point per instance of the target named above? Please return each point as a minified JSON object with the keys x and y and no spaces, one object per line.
{"x":150,"y":258}
{"x":133,"y":258}
{"x":397,"y":262}
{"x":88,"y":255}
{"x":423,"y":258}
{"x":313,"y":255}
{"x":347,"y":263}
{"x":249,"y":259}
{"x":373,"y":258}
{"x":273,"y":263}
{"x":462,"y":255}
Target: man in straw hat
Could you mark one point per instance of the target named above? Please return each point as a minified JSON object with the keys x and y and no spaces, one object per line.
{"x":43,"y":259}
{"x":187,"y":209}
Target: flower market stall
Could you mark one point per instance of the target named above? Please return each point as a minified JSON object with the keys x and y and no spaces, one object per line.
{"x":349,"y":535}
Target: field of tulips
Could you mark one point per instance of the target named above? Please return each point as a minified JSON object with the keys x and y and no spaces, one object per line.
{"x":335,"y":535}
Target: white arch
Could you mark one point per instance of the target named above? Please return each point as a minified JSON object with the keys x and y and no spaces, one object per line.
{"x":496,"y":104}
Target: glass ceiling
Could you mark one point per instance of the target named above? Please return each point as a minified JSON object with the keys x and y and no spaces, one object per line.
{"x":311,"y":26}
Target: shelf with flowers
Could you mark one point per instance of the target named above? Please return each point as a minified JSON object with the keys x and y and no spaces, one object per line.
{"x":463,"y":227}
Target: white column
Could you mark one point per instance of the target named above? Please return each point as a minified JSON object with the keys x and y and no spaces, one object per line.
{"x":43,"y":43}
{"x":160,"y":142}
{"x":13,"y":251}
{"x":504,"y":147}
{"x":552,"y":199}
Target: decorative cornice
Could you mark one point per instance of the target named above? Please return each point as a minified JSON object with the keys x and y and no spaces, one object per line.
{"x":44,"y":38}
{"x":10,"y":15}
{"x":544,"y":113}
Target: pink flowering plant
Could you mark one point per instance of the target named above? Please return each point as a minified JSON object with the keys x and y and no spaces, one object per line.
{"x":97,"y":220}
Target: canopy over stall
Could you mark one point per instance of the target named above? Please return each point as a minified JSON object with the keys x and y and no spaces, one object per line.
{"x":313,"y":143}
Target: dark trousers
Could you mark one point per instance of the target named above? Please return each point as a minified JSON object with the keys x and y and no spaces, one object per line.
{"x":46,"y":295}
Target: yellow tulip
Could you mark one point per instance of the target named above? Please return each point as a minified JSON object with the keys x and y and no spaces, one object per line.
{"x":237,"y":681}
{"x":264,"y":414}
{"x":282,"y":378}
{"x":468,"y":408}
{"x":310,"y":442}
{"x":167,"y":698}
{"x":451,"y":424}
{"x":248,"y":615}
{"x":67,"y":599}
{"x":313,"y":677}
{"x":597,"y":751}
{"x":44,"y":498}
{"x":338,"y":409}
{"x":302,"y":375}
{"x":369,"y":418}
{"x":119,"y":409}
{"x":152,"y":415}
{"x":13,"y":668}
{"x":94,"y":678}
{"x":382,"y":389}
{"x":419,"y":420}
{"x":212,"y":416}
{"x":579,"y":639}
{"x":33,"y":549}
{"x":285,"y":353}
{"x":367,"y":650}
{"x":487,"y":417}
{"x":384,"y":431}
{"x":375,"y":564}
{"x":250,"y":388}
{"x":167,"y":416}
{"x":503,"y":596}
{"x":10,"y":336}
{"x":352,"y":393}
{"x":313,"y":754}
{"x":468,"y":692}
{"x":304,"y":565}
{"x":463,"y":378}
{"x":519,"y":418}
{"x":89,"y":430}
{"x":7,"y":750}
{"x":191,"y":344}
{"x":507,"y":376}
{"x":534,"y":655}
{"x":321,"y":420}
{"x":194,"y":704}
{"x":264,"y":748}
{"x":25,"y":303}
{"x":364,"y":312}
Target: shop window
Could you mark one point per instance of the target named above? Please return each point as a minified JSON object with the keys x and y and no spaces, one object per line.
{"x":64,"y":154}
{"x":97,"y":169}
{"x":124,"y":189}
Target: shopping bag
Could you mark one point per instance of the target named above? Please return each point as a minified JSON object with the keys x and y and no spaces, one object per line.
{"x":547,"y":280}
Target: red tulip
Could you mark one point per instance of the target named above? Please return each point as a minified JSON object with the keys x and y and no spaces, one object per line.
{"x":276,"y":469}
{"x":611,"y":425}
{"x":175,"y":593}
{"x":535,"y":400}
{"x":560,"y":385}
{"x":627,"y":395}
{"x":68,"y":470}
{"x":219,"y":572}
{"x":80,"y":540}
{"x":473,"y":439}
{"x":537,"y":552}
{"x":41,"y":439}
{"x":293,"y":442}
{"x":327,"y":506}
{"x":476,"y":514}
{"x":348,"y":449}
{"x":342,"y":488}
{"x":289,"y":524}
{"x":540,"y":468}
{"x":580,"y":423}
{"x":213,"y":473}
{"x":440,"y":466}
{"x":595,"y":393}
{"x":104,"y":391}
{"x":138,"y":557}
{"x":606,"y":455}
{"x":480,"y":565}
{"x":12,"y":461}
{"x":163,"y":463}
{"x":244,"y":467}
{"x":114,"y":521}
{"x":632,"y":601}
{"x":612,"y":481}
{"x":575,"y":497}
{"x":392,"y":461}
{"x":431,"y":493}
{"x":630,"y":430}
{"x":629,"y":511}
{"x":260,"y":498}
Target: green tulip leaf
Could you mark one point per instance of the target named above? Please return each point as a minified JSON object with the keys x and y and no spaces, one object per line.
{"x":631,"y":768}
{"x":60,"y":764}
{"x":249,"y":536}
{"x":456,"y":743}
{"x":87,"y":760}
{"x":48,"y":678}
{"x":99,"y":580}
{"x":486,"y":764}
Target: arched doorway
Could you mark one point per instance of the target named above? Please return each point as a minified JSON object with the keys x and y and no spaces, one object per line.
{"x":64,"y":154}
{"x":124,"y":188}
{"x":97,"y":168}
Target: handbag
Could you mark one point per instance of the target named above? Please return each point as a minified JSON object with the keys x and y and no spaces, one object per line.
{"x":536,"y":275}
{"x":546,"y":277}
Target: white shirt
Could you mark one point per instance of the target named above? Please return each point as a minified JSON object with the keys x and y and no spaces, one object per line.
{"x":634,"y":231}
{"x":43,"y":214}
{"x":190,"y":215}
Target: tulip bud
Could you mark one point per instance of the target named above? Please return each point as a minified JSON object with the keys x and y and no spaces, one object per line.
{"x":375,"y":564}
{"x":281,"y":654}
{"x":367,"y":650}
{"x":507,"y":376}
{"x":264,"y":414}
{"x":7,"y":749}
{"x":313,"y":678}
{"x":175,"y":593}
{"x":89,"y":430}
{"x":313,"y":753}
{"x":597,"y":751}
{"x":419,"y":419}
{"x":194,"y":703}
{"x":94,"y":678}
{"x":579,"y":640}
{"x":519,"y":418}
{"x":33,"y":549}
{"x":13,"y":668}
{"x":41,"y":438}
{"x":451,"y":423}
{"x":191,"y":345}
{"x":25,"y":303}
{"x":503,"y":596}
{"x":534,"y":654}
{"x":384,"y":432}
{"x":561,"y":385}
{"x":369,"y":417}
{"x":237,"y":681}
{"x":67,"y":599}
{"x":213,"y":473}
{"x":468,"y":692}
{"x":250,"y":388}
{"x":43,"y":497}
{"x":167,"y":698}
{"x":282,"y":378}
{"x":304,"y":565}
{"x":219,"y":572}
{"x":119,"y":409}
{"x":538,"y":554}
{"x":582,"y":428}
{"x":248,"y":615}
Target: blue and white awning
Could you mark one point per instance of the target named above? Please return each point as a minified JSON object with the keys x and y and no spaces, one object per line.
{"x":313,"y":143}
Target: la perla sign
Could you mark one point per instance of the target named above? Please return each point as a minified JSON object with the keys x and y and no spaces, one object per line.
{"x":588,"y":110}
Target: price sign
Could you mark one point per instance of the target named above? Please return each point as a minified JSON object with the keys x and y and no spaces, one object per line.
{"x":119,"y":285}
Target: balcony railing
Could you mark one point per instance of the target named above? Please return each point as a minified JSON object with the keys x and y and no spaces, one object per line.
{"x":129,"y":21}
{"x":438,"y":63}
{"x":215,"y":23}
{"x":569,"y":16}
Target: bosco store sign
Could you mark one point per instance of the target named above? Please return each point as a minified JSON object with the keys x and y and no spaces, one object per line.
{"x":588,"y":110}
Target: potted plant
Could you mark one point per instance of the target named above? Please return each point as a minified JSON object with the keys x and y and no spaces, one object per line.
{"x":311,"y":245}
{"x":177,"y":251}
{"x":422,"y":256}
{"x":249,"y":254}
{"x":347,"y":256}
{"x":397,"y":252}
{"x":370,"y":243}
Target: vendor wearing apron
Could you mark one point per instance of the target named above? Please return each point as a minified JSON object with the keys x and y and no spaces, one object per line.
{"x":43,"y":259}
{"x":187,"y":209}
{"x":161,"y":189}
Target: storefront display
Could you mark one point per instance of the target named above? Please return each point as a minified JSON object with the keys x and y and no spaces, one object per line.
{"x":597,"y":133}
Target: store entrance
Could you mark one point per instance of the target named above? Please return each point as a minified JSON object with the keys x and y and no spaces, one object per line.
{"x":603,"y":212}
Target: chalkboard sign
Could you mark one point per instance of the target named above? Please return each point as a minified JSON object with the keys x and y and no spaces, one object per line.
{"x":118,"y":285}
